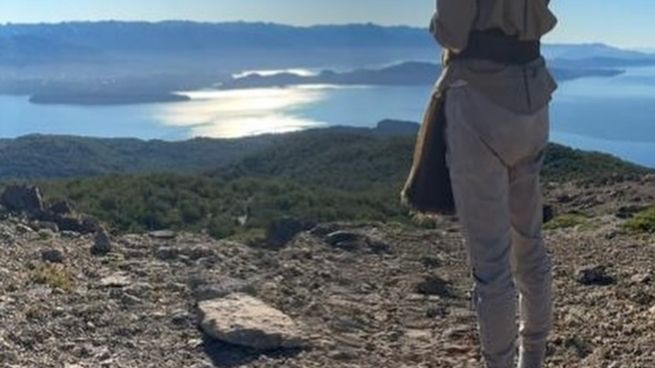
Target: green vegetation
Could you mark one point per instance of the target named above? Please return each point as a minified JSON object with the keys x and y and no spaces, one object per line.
{"x":643,"y":222}
{"x":320,"y":175}
{"x":41,"y":156}
{"x":568,"y":164}
{"x":349,"y":161}
{"x":196,"y":203}
{"x":567,"y":220}
{"x":54,"y":276}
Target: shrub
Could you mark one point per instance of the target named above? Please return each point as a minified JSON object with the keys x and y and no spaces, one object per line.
{"x":567,"y":220}
{"x":54,"y":276}
{"x":643,"y":222}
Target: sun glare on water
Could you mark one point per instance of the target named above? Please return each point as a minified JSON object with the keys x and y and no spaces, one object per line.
{"x":240,"y":113}
{"x":268,"y":73}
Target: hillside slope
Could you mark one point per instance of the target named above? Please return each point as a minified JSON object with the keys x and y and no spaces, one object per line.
{"x":363,"y":294}
{"x":41,"y":156}
{"x":320,"y":175}
{"x":387,"y":145}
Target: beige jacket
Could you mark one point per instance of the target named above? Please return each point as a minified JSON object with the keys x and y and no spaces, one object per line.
{"x":523,"y":89}
{"x":453,"y":20}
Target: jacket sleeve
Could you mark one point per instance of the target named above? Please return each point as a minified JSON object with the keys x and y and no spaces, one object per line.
{"x":452,"y":22}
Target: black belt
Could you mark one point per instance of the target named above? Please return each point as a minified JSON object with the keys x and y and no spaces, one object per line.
{"x":494,"y":45}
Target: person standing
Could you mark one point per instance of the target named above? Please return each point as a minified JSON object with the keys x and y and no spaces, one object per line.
{"x":495,"y":90}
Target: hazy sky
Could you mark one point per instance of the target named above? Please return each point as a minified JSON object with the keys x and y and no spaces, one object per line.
{"x":627,"y":23}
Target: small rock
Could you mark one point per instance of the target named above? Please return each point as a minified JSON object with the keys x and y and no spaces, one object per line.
{"x":162,"y":234}
{"x":167,"y":253}
{"x":45,"y":225}
{"x":436,"y":311}
{"x":641,"y":278}
{"x":240,"y":319}
{"x":46,"y":234}
{"x":434,"y":285}
{"x":565,"y":198}
{"x":344,"y":354}
{"x":180,"y":318}
{"x":199,"y":251}
{"x":433,"y":261}
{"x":70,"y":234}
{"x":281,"y":231}
{"x":129,"y":299}
{"x":346,"y":240}
{"x":322,"y":230}
{"x":627,"y":212}
{"x":82,"y":225}
{"x":61,"y":208}
{"x":52,"y":255}
{"x":89,"y":225}
{"x":101,"y":244}
{"x":220,"y":289}
{"x":594,"y":276}
{"x":115,"y":281}
{"x":378,"y":246}
{"x":23,"y":229}
{"x":580,"y":346}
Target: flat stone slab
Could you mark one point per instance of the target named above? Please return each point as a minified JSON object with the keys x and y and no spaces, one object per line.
{"x":243,"y":320}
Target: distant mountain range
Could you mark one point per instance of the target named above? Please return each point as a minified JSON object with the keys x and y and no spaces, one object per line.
{"x":592,"y":50}
{"x":38,"y":44}
{"x":27,"y":44}
{"x":136,"y":62}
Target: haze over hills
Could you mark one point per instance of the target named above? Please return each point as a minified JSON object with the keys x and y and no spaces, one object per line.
{"x":89,"y":42}
{"x":135,"y":62}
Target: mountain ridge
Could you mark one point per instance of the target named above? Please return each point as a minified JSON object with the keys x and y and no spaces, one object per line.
{"x":46,"y":156}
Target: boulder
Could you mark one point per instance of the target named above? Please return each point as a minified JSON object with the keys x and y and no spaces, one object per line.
{"x":243,"y":320}
{"x":52,"y":255}
{"x":101,"y":243}
{"x":221,"y":288}
{"x":346,"y":240}
{"x":45,"y":225}
{"x":61,"y":208}
{"x":352,"y":241}
{"x":81,"y":225}
{"x":22,"y":198}
{"x":282,"y":231}
{"x":435,"y":285}
{"x":198,"y":251}
{"x":167,"y":253}
{"x":596,"y":275}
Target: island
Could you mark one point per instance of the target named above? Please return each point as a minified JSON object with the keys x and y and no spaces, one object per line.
{"x":93,"y":99}
{"x":403,"y":74}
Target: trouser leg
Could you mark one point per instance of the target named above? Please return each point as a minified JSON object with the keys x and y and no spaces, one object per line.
{"x":531,"y":263}
{"x":481,"y":189}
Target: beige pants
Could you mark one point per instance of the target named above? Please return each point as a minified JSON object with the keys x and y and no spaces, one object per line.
{"x":495,"y":156}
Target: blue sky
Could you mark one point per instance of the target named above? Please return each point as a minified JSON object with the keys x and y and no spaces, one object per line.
{"x":626,"y":23}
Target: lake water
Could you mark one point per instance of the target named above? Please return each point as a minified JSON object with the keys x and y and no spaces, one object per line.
{"x":615,"y":115}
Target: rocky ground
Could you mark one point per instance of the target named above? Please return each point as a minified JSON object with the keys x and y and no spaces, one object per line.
{"x":357,"y":295}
